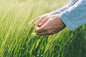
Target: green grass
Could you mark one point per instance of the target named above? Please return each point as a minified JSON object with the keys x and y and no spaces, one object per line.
{"x":17,"y":38}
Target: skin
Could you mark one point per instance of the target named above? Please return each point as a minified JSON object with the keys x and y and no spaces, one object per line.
{"x":53,"y":25}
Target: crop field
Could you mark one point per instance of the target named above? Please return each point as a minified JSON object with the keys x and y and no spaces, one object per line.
{"x":18,"y":39}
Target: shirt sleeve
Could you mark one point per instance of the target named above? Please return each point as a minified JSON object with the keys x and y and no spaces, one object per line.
{"x":58,"y":11}
{"x":75,"y":16}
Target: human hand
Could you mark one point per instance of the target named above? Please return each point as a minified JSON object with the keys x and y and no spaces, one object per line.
{"x":39,"y":19}
{"x":52,"y":26}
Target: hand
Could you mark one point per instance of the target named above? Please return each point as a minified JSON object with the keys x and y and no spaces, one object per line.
{"x":52,"y":26}
{"x":39,"y":19}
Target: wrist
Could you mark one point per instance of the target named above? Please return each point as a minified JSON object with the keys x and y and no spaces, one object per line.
{"x":61,"y":20}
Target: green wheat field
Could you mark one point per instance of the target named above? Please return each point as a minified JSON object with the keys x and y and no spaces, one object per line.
{"x":18,"y":39}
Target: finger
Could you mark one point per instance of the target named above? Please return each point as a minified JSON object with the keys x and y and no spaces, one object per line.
{"x":46,"y":26}
{"x":32,"y":22}
{"x":46,"y":32}
{"x":57,"y":30}
{"x":39,"y":29}
{"x":43,"y":33}
{"x":43,"y":22}
{"x":39,"y":20}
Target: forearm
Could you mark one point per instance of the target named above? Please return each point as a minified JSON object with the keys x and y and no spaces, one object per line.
{"x":75,"y":16}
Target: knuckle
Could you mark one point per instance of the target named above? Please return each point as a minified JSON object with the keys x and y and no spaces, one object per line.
{"x":49,"y":32}
{"x":50,"y":20}
{"x":47,"y":16}
{"x":39,"y":34}
{"x":45,"y":28}
{"x":42,"y":27}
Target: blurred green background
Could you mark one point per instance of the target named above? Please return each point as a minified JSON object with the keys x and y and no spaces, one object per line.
{"x":18,"y":39}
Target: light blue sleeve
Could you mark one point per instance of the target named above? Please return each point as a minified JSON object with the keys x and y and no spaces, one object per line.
{"x":58,"y":11}
{"x":75,"y":16}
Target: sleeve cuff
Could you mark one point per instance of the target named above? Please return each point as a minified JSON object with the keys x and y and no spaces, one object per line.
{"x":67,"y":22}
{"x":75,"y":16}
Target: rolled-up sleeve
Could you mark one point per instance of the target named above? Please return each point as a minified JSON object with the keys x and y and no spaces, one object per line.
{"x":75,"y":16}
{"x":58,"y":11}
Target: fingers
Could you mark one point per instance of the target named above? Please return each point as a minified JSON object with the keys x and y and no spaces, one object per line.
{"x":49,"y":32}
{"x":43,"y":22}
{"x":39,"y":29}
{"x":57,"y":30}
{"x":32,"y":22}
{"x":39,"y":20}
{"x":45,"y":29}
{"x":44,"y":33}
{"x":42,"y":28}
